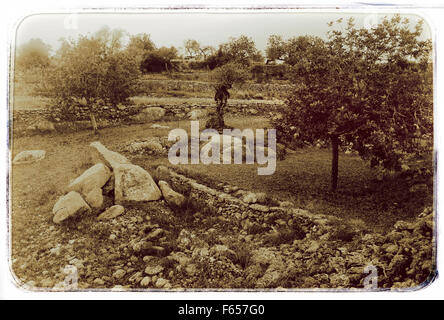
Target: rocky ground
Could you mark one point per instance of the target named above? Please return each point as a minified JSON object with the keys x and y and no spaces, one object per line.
{"x":219,"y":238}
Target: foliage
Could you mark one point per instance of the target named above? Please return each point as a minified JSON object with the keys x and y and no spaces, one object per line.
{"x":195,"y":50}
{"x":269,"y":71}
{"x":93,"y":71}
{"x":241,"y":50}
{"x":159,"y":60}
{"x":34,"y":54}
{"x":229,"y":74}
{"x":372,"y":88}
{"x":275,"y":48}
{"x":217,"y":59}
{"x":292,"y":50}
{"x":140,"y":45}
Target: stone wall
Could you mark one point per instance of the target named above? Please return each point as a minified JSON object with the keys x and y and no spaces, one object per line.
{"x":269,"y":89}
{"x":30,"y":122}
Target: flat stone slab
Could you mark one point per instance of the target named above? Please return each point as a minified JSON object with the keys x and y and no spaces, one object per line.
{"x":29,"y":156}
{"x":69,"y":205}
{"x":110,"y":158}
{"x":134,"y":185}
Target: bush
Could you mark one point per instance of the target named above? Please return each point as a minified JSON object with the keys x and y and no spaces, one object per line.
{"x":154,"y":62}
{"x":261,"y":72}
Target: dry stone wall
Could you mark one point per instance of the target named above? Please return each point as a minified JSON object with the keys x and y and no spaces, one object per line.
{"x":31,"y":122}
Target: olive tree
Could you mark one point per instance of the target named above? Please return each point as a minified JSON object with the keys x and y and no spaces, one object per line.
{"x":223,"y":79}
{"x":93,"y":71}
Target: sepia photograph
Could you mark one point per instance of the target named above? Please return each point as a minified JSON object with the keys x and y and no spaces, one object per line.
{"x":221,"y":150}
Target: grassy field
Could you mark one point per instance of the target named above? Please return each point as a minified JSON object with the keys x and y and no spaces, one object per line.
{"x":302,"y":177}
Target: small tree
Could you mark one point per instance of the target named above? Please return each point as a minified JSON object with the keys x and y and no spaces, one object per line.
{"x":368,"y":88}
{"x":241,"y":50}
{"x":224,"y":78}
{"x":291,"y":50}
{"x":92,"y":72}
{"x":159,"y":60}
{"x":34,"y":54}
{"x":140,"y":45}
{"x":275,"y":48}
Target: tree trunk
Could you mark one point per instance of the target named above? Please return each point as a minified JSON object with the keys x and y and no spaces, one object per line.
{"x":220,"y":114}
{"x":94,"y":123}
{"x":334,"y":161}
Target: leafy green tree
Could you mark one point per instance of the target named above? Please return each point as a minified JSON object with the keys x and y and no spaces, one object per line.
{"x":368,"y":88}
{"x":92,"y":72}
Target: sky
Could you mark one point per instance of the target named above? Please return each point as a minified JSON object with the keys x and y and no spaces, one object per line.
{"x":171,"y":29}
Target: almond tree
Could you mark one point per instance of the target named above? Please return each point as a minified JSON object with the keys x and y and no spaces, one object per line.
{"x":368,"y":88}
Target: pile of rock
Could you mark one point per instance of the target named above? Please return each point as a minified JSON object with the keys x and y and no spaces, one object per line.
{"x":114,"y":175}
{"x":314,"y":250}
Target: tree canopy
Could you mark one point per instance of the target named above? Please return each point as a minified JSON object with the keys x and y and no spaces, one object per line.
{"x":194,"y":49}
{"x":368,"y":88}
{"x":95,"y":69}
{"x":291,"y":50}
{"x":241,"y":50}
{"x":33,"y":54}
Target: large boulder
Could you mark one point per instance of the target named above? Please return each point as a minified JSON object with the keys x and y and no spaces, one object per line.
{"x":94,"y":177}
{"x":149,"y":114}
{"x":110,"y":158}
{"x":172,"y":197}
{"x":69,"y":205}
{"x":111,"y":213}
{"x":134,"y":185}
{"x":29,"y":156}
{"x":95,"y":198}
